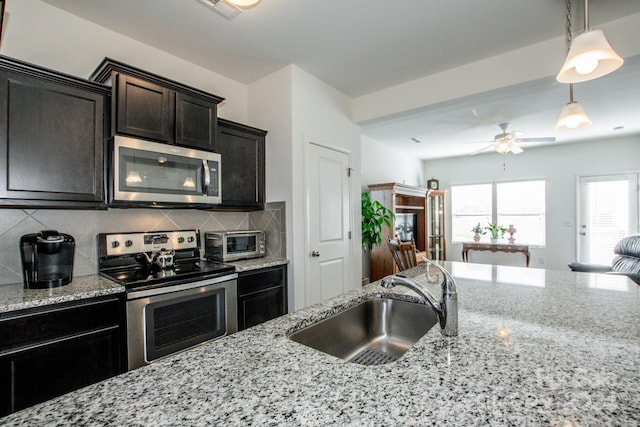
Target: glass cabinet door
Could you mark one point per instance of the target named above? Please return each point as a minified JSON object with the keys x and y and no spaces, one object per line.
{"x":436,"y":225}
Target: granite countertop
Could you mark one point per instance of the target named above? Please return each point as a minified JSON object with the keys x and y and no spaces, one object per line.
{"x":14,"y":297}
{"x":535,"y":347}
{"x":257,"y":263}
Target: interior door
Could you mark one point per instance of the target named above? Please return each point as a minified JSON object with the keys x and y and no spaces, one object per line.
{"x":608,"y":212}
{"x":327,"y":187}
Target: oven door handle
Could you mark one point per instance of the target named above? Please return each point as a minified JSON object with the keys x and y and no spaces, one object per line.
{"x":206,"y":177}
{"x":162,"y":290}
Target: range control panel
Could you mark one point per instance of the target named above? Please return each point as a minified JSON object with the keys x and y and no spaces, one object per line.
{"x":114,"y":244}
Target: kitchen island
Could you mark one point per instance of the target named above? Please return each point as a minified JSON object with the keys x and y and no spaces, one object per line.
{"x":535,"y":347}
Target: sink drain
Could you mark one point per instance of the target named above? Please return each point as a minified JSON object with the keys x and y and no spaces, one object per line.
{"x":373,"y":357}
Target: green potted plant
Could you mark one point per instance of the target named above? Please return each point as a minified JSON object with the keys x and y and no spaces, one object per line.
{"x":374,"y":216}
{"x":497,"y":231}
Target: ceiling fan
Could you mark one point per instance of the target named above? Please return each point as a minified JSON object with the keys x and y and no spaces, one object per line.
{"x":509,"y":141}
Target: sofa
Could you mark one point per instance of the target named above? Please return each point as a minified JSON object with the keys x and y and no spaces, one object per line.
{"x":626,"y":260}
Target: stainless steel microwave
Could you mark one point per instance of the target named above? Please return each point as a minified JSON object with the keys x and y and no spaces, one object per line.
{"x":145,"y":172}
{"x":234,"y":245}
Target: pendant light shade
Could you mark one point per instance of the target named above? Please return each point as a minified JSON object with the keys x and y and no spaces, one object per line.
{"x":590,"y":57}
{"x":243,"y":4}
{"x":572,"y":117}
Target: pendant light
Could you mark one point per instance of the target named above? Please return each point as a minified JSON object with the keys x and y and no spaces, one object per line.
{"x":591,"y":56}
{"x":572,"y":115}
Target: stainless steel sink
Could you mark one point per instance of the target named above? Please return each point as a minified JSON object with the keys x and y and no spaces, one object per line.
{"x":373,"y":332}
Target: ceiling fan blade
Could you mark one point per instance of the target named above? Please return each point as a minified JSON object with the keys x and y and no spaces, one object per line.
{"x":481,"y":150}
{"x":543,"y":139}
{"x":516,"y":149}
{"x":478,"y":142}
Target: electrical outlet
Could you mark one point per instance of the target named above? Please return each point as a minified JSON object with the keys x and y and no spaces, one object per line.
{"x":541,"y":260}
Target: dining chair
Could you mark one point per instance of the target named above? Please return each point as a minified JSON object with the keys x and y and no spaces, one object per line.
{"x":404,"y":254}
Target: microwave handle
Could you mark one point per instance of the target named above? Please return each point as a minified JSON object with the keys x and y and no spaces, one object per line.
{"x":206,"y":176}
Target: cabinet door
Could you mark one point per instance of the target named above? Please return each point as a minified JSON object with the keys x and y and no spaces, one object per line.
{"x":51,"y":350}
{"x":243,"y":156}
{"x":51,"y":141}
{"x":196,"y":121}
{"x":262,"y":296}
{"x":47,"y":371}
{"x":144,"y":109}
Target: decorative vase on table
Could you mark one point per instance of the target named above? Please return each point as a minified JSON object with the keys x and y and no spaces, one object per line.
{"x":511,"y":230}
{"x":477,"y":232}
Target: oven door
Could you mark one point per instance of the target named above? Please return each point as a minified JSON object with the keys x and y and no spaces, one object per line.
{"x":144,"y":171}
{"x":242,"y":245}
{"x":169,"y":319}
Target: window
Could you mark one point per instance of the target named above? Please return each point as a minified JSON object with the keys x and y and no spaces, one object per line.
{"x":470,"y":205}
{"x":520,"y":203}
{"x":523,"y":205}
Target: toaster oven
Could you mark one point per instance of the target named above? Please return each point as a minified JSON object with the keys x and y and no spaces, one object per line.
{"x":234,"y":245}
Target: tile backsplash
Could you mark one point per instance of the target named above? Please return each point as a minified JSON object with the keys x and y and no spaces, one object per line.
{"x":84,"y":226}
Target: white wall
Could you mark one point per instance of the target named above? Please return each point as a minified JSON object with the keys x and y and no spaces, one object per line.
{"x":39,"y":33}
{"x":381,"y":163}
{"x":270,"y":107}
{"x":296,"y":106}
{"x":323,"y":114}
{"x":559,"y":165}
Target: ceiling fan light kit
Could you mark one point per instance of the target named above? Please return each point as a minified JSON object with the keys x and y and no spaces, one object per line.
{"x":590,"y":57}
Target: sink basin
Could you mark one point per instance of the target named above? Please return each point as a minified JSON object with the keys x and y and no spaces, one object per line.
{"x":374,"y":332}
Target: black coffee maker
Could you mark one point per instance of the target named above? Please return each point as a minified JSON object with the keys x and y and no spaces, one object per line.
{"x":47,"y":259}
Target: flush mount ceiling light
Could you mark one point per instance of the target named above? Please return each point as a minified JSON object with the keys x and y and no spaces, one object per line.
{"x":244,"y":4}
{"x":230,"y":8}
{"x":590,"y":56}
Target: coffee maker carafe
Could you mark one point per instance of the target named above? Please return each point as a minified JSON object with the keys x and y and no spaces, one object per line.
{"x":47,"y":259}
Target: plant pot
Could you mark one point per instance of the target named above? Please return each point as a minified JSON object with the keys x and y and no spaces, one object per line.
{"x":494,"y":240}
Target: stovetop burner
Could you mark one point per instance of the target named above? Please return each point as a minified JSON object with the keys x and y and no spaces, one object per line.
{"x":133,"y":277}
{"x":118,"y":259}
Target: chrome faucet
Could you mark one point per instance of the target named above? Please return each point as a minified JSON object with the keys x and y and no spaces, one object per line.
{"x":446,"y":308}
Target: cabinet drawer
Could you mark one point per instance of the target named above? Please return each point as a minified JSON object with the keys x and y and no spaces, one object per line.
{"x":29,"y":329}
{"x":260,"y":279}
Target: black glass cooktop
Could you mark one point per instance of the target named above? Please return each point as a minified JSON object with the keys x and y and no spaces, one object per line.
{"x":139,"y":276}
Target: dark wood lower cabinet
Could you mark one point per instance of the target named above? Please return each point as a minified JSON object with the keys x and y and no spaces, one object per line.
{"x":79,"y":344}
{"x":262,"y":295}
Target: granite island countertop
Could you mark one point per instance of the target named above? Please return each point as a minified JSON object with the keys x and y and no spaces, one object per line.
{"x":535,"y":348}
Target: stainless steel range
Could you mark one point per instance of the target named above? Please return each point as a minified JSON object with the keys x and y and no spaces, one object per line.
{"x":175,"y":300}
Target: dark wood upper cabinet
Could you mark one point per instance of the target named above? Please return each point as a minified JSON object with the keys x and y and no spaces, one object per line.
{"x":52,"y":138}
{"x":150,"y":106}
{"x":144,"y":109}
{"x":196,"y":122}
{"x":243,"y":165}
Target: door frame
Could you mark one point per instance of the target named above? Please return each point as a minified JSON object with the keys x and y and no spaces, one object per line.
{"x":604,"y":177}
{"x":308,"y":141}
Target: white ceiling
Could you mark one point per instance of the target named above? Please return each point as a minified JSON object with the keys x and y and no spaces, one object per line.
{"x":361,"y":46}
